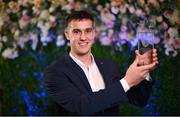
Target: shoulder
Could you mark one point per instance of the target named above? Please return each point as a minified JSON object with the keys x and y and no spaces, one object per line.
{"x":56,"y":65}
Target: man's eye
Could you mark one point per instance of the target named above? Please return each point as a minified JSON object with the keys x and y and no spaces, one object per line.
{"x":76,"y":31}
{"x":89,"y":30}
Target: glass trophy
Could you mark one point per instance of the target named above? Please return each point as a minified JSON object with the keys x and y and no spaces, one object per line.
{"x":145,"y":46}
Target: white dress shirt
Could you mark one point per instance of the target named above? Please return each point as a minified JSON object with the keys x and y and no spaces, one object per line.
{"x":92,"y":73}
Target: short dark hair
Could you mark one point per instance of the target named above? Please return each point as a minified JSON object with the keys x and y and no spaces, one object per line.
{"x":79,"y":15}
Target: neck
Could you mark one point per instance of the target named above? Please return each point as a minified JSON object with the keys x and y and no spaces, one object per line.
{"x":86,"y":58}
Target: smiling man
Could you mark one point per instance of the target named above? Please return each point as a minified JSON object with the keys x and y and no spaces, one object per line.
{"x":83,"y":84}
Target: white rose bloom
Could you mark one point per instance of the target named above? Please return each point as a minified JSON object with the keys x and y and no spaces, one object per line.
{"x":131,"y":9}
{"x":10,"y":53}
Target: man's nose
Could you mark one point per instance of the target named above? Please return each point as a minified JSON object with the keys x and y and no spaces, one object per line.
{"x":83,"y":36}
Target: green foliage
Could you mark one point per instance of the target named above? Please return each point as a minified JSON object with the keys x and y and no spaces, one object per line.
{"x":168,"y":77}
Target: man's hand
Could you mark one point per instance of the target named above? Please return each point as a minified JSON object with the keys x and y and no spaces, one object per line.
{"x":148,"y":57}
{"x":135,"y":73}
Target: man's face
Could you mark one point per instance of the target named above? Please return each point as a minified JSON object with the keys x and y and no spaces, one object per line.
{"x":81,"y":35}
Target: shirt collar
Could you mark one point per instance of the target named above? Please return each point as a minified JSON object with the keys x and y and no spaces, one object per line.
{"x":80,"y":62}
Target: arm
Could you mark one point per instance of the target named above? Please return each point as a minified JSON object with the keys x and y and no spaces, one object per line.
{"x":139,"y":94}
{"x":136,"y":77}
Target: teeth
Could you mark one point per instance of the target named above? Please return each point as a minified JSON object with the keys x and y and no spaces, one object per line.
{"x":83,"y":44}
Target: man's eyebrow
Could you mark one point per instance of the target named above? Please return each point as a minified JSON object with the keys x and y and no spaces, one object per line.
{"x":83,"y":29}
{"x":76,"y":29}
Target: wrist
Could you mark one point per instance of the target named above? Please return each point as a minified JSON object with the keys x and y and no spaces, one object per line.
{"x":126,"y":79}
{"x":124,"y":85}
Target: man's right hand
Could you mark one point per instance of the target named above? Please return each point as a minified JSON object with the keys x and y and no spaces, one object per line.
{"x":135,"y":73}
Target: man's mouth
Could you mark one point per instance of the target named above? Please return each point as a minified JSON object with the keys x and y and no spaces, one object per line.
{"x":83,"y":44}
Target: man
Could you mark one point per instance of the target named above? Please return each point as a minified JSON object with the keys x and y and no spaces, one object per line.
{"x":86,"y":85}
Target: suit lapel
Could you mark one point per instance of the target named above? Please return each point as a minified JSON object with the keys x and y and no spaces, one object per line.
{"x":103,"y":70}
{"x":79,"y":74}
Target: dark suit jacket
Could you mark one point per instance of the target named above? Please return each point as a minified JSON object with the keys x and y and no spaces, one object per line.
{"x":68,"y":86}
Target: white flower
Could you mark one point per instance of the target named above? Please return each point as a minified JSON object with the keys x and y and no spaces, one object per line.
{"x":16,"y":34}
{"x":34,"y":39}
{"x":21,"y":42}
{"x":115,"y":10}
{"x":4,"y":38}
{"x":122,"y":9}
{"x":33,"y":20}
{"x":159,"y":18}
{"x":44,"y":28}
{"x":99,"y":7}
{"x":10,"y":53}
{"x":131,"y":9}
{"x":110,"y":32}
{"x":36,"y":10}
{"x":52,"y":9}
{"x":44,"y":15}
{"x":60,"y":41}
{"x":52,"y":18}
{"x":104,"y":39}
{"x":107,"y":17}
{"x":173,"y":32}
{"x":170,"y":50}
{"x":139,"y":12}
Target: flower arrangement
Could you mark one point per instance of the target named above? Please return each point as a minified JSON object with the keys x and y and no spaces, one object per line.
{"x":39,"y":22}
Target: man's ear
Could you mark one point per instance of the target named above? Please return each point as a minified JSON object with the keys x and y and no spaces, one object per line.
{"x":66,"y":34}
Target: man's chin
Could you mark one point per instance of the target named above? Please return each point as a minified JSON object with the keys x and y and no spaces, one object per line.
{"x":82,"y":53}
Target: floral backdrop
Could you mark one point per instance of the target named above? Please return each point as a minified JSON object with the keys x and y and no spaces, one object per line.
{"x":31,"y":37}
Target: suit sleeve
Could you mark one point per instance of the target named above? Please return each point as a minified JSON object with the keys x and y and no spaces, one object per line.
{"x":139,"y":94}
{"x":67,"y":94}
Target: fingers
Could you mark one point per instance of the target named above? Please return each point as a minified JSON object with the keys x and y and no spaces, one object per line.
{"x":148,"y":67}
{"x":135,"y":61}
{"x":154,"y":56}
{"x":155,"y":59}
{"x":154,"y":50}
